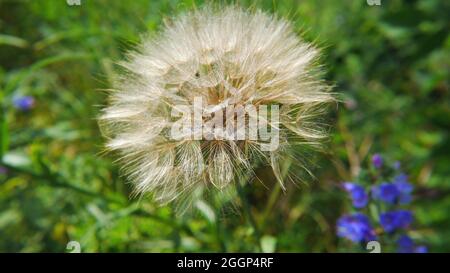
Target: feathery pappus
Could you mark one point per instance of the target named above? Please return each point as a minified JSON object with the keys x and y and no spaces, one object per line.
{"x":186,"y":78}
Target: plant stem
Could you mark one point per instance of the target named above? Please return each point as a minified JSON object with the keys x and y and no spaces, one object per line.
{"x":249,"y":215}
{"x":223,"y":247}
{"x":56,"y":181}
{"x":276,"y":191}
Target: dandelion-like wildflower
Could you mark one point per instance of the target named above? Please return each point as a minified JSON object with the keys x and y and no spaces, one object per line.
{"x":209,"y":60}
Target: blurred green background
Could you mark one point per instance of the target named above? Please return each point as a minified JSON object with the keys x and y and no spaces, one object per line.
{"x":389,"y":65}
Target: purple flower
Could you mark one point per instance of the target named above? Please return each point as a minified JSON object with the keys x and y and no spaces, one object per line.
{"x":23,"y":103}
{"x":3,"y":170}
{"x":397,"y":165}
{"x":406,"y":245}
{"x":356,"y":228}
{"x":377,"y":161}
{"x":421,"y":249}
{"x":404,"y":188}
{"x":385,"y":192}
{"x":401,"y":178}
{"x":357,"y":193}
{"x":393,"y":220}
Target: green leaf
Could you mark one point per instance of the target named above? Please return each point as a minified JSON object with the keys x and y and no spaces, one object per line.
{"x":206,"y":210}
{"x":268,"y":244}
{"x":4,"y":135}
{"x":13,"y":41}
{"x":16,"y":159}
{"x":24,"y":74}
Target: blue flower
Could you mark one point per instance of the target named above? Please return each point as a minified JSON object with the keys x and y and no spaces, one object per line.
{"x":386,"y":192}
{"x":421,"y":249}
{"x":357,"y":193}
{"x":406,"y":245}
{"x":356,"y":228}
{"x":404,"y":188}
{"x":377,"y":161}
{"x":23,"y":103}
{"x":397,"y":165}
{"x":392,"y":220}
{"x":401,"y":178}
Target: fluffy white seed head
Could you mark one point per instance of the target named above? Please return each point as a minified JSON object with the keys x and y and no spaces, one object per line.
{"x":227,"y":57}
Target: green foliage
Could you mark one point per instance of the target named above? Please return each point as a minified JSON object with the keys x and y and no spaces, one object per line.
{"x":390,"y":68}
